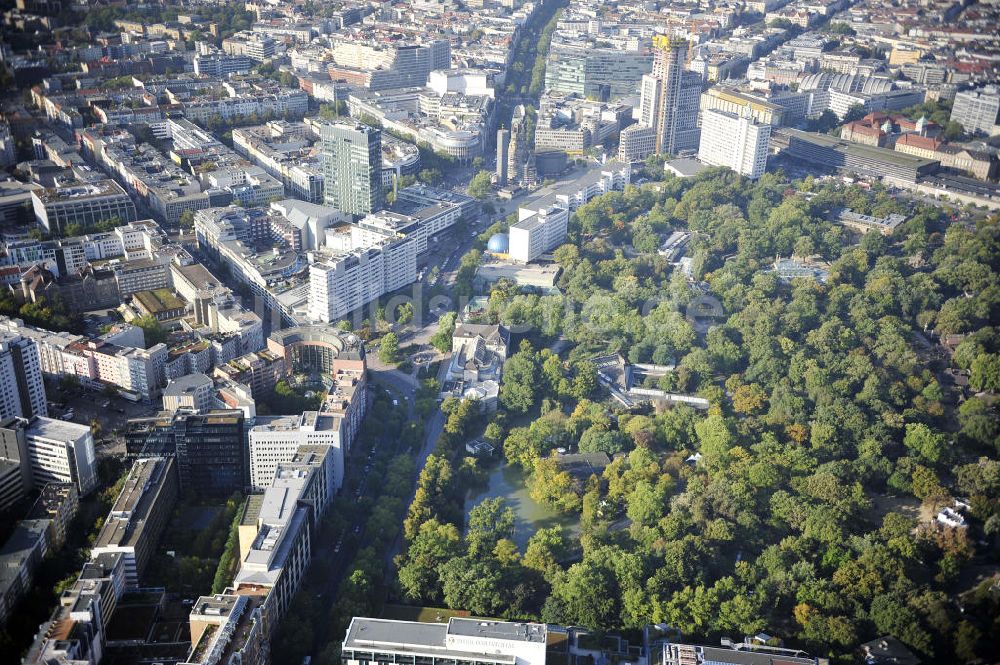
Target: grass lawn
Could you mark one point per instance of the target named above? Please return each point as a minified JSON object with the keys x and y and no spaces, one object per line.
{"x":557,"y":641}
{"x":425,"y":614}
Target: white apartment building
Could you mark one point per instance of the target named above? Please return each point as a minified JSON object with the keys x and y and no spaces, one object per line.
{"x":115,"y":359}
{"x":537,"y":231}
{"x":339,"y":284}
{"x":737,"y":142}
{"x":222,"y":65}
{"x":22,"y":390}
{"x":141,"y":275}
{"x":274,"y":440}
{"x":138,"y":370}
{"x":60,"y":452}
{"x":293,"y":102}
{"x":373,"y":229}
{"x":51,"y":346}
{"x":255,"y":47}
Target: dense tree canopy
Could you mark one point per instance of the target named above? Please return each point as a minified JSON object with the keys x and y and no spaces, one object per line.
{"x":801,"y":502}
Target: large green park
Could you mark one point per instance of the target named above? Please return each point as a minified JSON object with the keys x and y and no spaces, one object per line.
{"x":802,"y":502}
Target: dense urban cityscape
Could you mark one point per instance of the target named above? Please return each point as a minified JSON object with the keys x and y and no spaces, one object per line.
{"x":500,"y":332}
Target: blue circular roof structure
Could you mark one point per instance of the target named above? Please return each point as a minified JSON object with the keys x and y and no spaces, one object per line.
{"x":498,"y":243}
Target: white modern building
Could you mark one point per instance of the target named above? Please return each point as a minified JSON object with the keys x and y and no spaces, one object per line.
{"x":274,"y":440}
{"x":735,"y":141}
{"x":220,"y":65}
{"x":341,"y":283}
{"x":537,"y":231}
{"x":375,"y":229}
{"x":22,"y":390}
{"x":55,"y":451}
{"x":480,"y":641}
{"x":275,"y":548}
{"x":464,"y":81}
{"x":542,"y":223}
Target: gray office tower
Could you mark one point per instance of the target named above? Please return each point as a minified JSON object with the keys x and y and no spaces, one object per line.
{"x":352,"y":167}
{"x":503,"y":145}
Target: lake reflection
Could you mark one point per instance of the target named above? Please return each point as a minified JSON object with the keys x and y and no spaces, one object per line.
{"x":508,"y":483}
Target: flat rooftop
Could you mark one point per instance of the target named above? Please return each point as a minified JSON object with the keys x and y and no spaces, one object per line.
{"x":217,"y":605}
{"x":81,"y":191}
{"x":56,"y":430}
{"x":308,"y":421}
{"x":860,"y":150}
{"x":187,"y":384}
{"x":366,"y":633}
{"x":251,"y":510}
{"x":159,"y":300}
{"x":127,"y":519}
{"x":685,"y":167}
{"x":199,"y":276}
{"x":497,"y":630}
{"x":543,"y":276}
{"x":743,"y":657}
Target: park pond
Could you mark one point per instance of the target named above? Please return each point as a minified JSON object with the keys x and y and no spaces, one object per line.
{"x":508,"y":483}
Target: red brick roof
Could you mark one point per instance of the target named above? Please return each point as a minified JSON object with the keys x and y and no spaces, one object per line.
{"x":917,"y":141}
{"x":862,"y":127}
